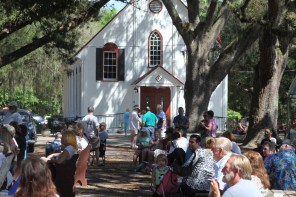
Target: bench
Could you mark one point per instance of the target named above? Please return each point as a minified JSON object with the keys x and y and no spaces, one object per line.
{"x":81,"y":167}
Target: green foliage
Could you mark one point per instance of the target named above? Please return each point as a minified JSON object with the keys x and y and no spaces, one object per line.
{"x":105,"y":16}
{"x":231,"y":114}
{"x":36,"y":80}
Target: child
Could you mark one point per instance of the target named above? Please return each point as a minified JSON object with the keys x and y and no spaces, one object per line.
{"x":159,"y":171}
{"x":55,"y":146}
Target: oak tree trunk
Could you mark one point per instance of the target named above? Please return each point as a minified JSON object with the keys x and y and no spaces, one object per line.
{"x":268,"y":75}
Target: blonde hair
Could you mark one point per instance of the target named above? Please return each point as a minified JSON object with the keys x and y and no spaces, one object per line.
{"x":242,"y":163}
{"x":209,"y":142}
{"x":70,"y":139}
{"x":162,"y":157}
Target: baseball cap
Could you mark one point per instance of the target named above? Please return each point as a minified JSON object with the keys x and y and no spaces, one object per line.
{"x":288,"y":142}
{"x":12,"y":103}
{"x":103,"y":123}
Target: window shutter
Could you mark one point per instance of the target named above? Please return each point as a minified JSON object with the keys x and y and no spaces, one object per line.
{"x":121,"y":63}
{"x":99,"y":64}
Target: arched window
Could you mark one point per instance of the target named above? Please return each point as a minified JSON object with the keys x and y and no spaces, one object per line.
{"x":155,"y":49}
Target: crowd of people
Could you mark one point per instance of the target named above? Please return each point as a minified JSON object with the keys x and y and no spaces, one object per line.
{"x":24,"y":175}
{"x":206,"y":163}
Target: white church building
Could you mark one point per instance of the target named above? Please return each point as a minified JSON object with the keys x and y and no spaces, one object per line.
{"x":137,"y":58}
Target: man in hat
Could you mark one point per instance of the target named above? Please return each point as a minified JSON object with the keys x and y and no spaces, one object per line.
{"x":281,"y":167}
{"x":134,"y":125}
{"x":12,"y":115}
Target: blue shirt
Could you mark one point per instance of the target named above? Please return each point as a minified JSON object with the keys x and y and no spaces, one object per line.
{"x":103,"y":135}
{"x":281,"y":168}
{"x":161,"y":118}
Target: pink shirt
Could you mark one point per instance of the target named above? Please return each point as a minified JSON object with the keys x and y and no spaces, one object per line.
{"x":213,"y":125}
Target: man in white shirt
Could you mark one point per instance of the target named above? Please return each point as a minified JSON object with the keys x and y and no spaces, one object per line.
{"x":12,"y":115}
{"x":134,"y":125}
{"x":91,"y":130}
{"x":221,"y":153}
{"x":237,"y":174}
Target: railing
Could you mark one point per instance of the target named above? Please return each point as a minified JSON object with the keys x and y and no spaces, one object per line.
{"x":226,"y":124}
{"x":111,"y":120}
{"x":116,"y":121}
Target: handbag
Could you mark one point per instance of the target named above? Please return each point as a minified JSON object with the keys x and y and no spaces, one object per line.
{"x":169,"y":184}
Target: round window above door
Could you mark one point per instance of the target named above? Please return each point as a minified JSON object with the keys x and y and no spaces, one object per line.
{"x":155,"y":6}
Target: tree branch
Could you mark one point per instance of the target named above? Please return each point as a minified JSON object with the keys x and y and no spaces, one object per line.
{"x":193,"y":12}
{"x":27,"y":18}
{"x":177,"y":21}
{"x":215,"y":29}
{"x":210,"y":15}
{"x":233,"y":51}
{"x":35,"y":44}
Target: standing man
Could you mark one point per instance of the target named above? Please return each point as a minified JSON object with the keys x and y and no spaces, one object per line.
{"x":12,"y":115}
{"x":92,"y":128}
{"x":161,"y":124}
{"x":149,"y":120}
{"x":181,"y":121}
{"x":135,"y":121}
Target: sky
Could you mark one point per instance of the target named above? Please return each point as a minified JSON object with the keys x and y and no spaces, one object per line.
{"x":117,"y":5}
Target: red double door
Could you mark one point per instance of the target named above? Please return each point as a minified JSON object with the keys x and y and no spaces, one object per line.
{"x":151,"y":96}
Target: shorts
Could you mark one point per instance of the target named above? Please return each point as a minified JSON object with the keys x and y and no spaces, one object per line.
{"x":134,"y":132}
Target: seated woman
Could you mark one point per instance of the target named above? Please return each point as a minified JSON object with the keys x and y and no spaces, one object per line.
{"x":241,"y":128}
{"x":69,"y":142}
{"x":81,"y":140}
{"x":148,"y":153}
{"x":35,"y":179}
{"x":143,"y":142}
{"x":259,"y":175}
